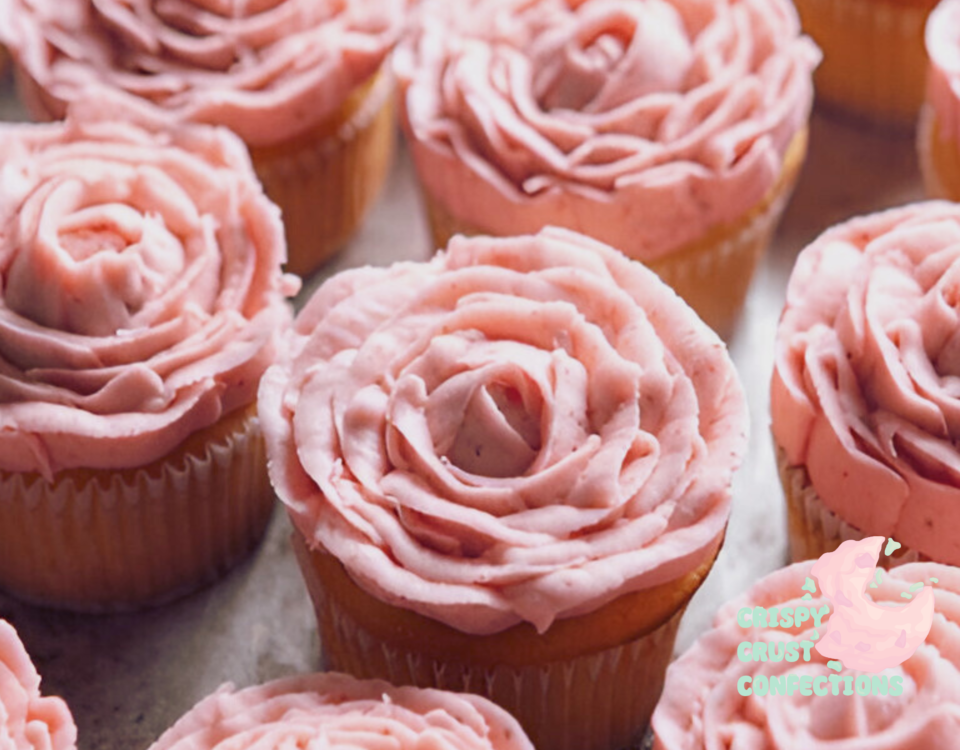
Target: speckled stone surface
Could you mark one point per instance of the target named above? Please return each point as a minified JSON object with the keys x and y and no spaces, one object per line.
{"x":127,"y":678}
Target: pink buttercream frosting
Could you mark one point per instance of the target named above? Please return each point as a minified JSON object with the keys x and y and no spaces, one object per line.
{"x":336,"y":712}
{"x":943,"y":77}
{"x":267,"y":69}
{"x":643,"y":123}
{"x":520,"y":430}
{"x":29,"y":721}
{"x":865,"y":392}
{"x":141,"y":296}
{"x":701,"y":708}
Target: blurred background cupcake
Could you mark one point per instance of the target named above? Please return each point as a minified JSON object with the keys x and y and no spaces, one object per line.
{"x":337,"y":711}
{"x":702,"y":708}
{"x":29,"y":721}
{"x":673,"y":130}
{"x":302,"y":82}
{"x":141,"y":299}
{"x":509,"y":470}
{"x":865,"y":407}
{"x":939,"y":132}
{"x":874,"y":61}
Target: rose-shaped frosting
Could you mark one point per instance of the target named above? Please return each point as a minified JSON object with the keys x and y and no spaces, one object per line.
{"x":267,"y":69}
{"x":642,"y":123}
{"x":943,"y":77}
{"x":866,"y":387}
{"x":336,"y":712}
{"x":701,"y":708}
{"x":27,"y":720}
{"x":521,"y":429}
{"x":141,"y":296}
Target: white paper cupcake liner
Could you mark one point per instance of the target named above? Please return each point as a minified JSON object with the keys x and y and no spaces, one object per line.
{"x":326,"y":187}
{"x":127,"y":540}
{"x":598,"y":701}
{"x":926,"y":133}
{"x":878,"y":73}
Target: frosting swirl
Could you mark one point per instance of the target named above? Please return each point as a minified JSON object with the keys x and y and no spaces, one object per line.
{"x":865,"y":392}
{"x":27,"y":720}
{"x":140,"y":289}
{"x":641,"y":123}
{"x":269,"y":70}
{"x":701,"y":708}
{"x":337,"y":712}
{"x":520,"y":430}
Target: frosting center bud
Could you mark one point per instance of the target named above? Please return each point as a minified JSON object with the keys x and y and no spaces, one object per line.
{"x":90,"y":255}
{"x":610,"y":55}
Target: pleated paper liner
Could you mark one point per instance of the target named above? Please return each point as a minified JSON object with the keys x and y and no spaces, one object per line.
{"x":712,"y":274}
{"x":813,"y":529}
{"x":327,"y":181}
{"x":874,"y":56}
{"x":588,"y":683}
{"x":103,"y":541}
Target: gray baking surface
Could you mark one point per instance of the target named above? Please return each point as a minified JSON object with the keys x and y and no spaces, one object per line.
{"x":128,"y":678}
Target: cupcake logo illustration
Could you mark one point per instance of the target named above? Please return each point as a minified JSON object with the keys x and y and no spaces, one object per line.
{"x":862,"y":634}
{"x":850,"y":630}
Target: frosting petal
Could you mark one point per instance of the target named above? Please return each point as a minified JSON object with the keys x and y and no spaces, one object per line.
{"x":141,"y":296}
{"x":269,"y":70}
{"x":642,"y":123}
{"x":519,"y":430}
{"x":865,"y":389}
{"x":29,"y":721}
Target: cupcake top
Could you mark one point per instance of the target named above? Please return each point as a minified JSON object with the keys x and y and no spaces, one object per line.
{"x":269,"y":69}
{"x":520,"y":430}
{"x":141,"y":296}
{"x":943,"y":79}
{"x":642,"y":123}
{"x":866,"y":386}
{"x":702,"y":709}
{"x":27,"y":720}
{"x":337,"y":712}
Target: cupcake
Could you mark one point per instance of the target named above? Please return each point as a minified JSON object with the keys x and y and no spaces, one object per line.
{"x":865,"y":411}
{"x":337,"y":712}
{"x":702,"y":706}
{"x":29,"y":721}
{"x":874,"y":61}
{"x":302,"y":82}
{"x":509,"y":470}
{"x":939,"y":130}
{"x":141,"y":299}
{"x":673,"y":130}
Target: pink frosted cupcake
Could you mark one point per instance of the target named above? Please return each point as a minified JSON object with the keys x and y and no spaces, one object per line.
{"x":509,"y":470}
{"x":865,"y":408}
{"x":335,"y":711}
{"x":672,"y":130}
{"x":141,"y":299}
{"x":702,"y":708}
{"x":300,"y":81}
{"x":29,"y":721}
